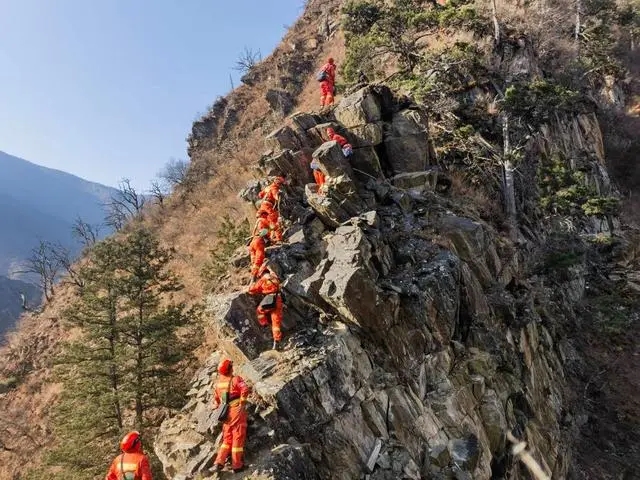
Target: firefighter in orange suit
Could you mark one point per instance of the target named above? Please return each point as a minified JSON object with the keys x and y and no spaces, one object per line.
{"x":267,"y":208}
{"x":131,"y":464}
{"x":269,"y":284}
{"x":234,"y":429}
{"x":257,"y":251}
{"x":327,"y":86}
{"x":271,"y":193}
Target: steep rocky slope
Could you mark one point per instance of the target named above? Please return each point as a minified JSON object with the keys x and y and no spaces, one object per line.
{"x":419,"y":329}
{"x":417,"y":336}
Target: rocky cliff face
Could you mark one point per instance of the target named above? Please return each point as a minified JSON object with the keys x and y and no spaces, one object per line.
{"x":416,"y":334}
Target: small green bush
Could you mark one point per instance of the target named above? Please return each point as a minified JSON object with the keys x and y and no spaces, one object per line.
{"x":230,"y":236}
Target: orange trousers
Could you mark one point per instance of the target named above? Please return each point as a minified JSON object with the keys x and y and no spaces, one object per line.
{"x":326,"y":88}
{"x":275,"y":316}
{"x":234,"y":434}
{"x":319,"y":178}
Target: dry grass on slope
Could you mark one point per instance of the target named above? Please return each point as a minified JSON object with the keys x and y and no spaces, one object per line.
{"x":189,"y":225}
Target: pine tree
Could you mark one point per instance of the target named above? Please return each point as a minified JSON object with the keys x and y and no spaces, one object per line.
{"x":149,"y":328}
{"x":90,"y":411}
{"x":123,"y":370}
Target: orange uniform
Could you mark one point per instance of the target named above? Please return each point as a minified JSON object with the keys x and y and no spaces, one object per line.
{"x":271,"y":193}
{"x":134,"y":463}
{"x":331,"y":133}
{"x":266,"y":285}
{"x":257,"y":254}
{"x":267,"y":209}
{"x":327,"y":86}
{"x":319,"y":177}
{"x":234,"y":429}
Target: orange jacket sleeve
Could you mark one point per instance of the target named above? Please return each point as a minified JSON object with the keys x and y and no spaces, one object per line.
{"x":256,"y":287}
{"x":112,"y":474}
{"x":261,"y":194}
{"x":340,"y":139}
{"x":241,"y":385}
{"x":144,"y":469}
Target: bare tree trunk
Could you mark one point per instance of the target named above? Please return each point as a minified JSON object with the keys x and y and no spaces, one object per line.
{"x":508,"y":186}
{"x":496,"y":25}
{"x":576,"y":33}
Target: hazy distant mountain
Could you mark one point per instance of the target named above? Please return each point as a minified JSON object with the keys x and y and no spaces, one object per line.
{"x":11,"y":300}
{"x":38,"y":203}
{"x":41,"y":203}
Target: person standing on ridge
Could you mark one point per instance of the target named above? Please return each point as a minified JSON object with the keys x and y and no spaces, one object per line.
{"x":347,"y":149}
{"x":271,"y":306}
{"x":131,"y":464}
{"x":327,"y":79}
{"x":233,"y":390}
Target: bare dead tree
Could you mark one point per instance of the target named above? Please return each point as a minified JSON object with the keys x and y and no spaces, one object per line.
{"x":64,"y":258}
{"x":247,"y":60}
{"x":124,"y":205}
{"x":174,"y":172}
{"x":159,"y":191}
{"x":44,"y":263}
{"x":496,"y":24}
{"x":85,"y":233}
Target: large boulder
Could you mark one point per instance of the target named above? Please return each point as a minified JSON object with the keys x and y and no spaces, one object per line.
{"x":285,"y":138}
{"x":365,"y":164}
{"x":358,"y":109}
{"x":407,"y":142}
{"x":332,"y":161}
{"x":368,"y":135}
{"x":293,"y":165}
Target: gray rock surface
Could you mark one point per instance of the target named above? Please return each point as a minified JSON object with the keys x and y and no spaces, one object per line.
{"x":411,"y":344}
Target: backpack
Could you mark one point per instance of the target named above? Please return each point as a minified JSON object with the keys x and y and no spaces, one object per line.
{"x":269,"y":301}
{"x":126,"y":475}
{"x":347,"y":150}
{"x":224,"y":410}
{"x":321,"y":76}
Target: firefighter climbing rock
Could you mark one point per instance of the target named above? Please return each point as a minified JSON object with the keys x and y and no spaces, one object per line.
{"x":232,"y":390}
{"x":268,"y":211}
{"x":347,"y":149}
{"x":131,"y":464}
{"x":257,"y":250}
{"x":271,"y":307}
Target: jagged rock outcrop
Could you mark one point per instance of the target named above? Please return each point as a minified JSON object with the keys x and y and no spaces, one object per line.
{"x":413,"y":344}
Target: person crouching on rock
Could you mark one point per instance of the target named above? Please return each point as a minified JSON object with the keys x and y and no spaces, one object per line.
{"x":347,"y":149}
{"x":131,"y":464}
{"x":318,"y":175}
{"x":233,"y":390}
{"x":271,"y":307}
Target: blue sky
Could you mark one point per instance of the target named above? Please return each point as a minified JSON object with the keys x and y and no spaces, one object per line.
{"x":107,"y":89}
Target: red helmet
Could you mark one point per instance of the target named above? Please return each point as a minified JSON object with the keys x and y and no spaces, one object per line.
{"x":131,"y":442}
{"x":225,"y":367}
{"x":280,"y":180}
{"x":330,"y":60}
{"x":261,"y":213}
{"x":331,"y":132}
